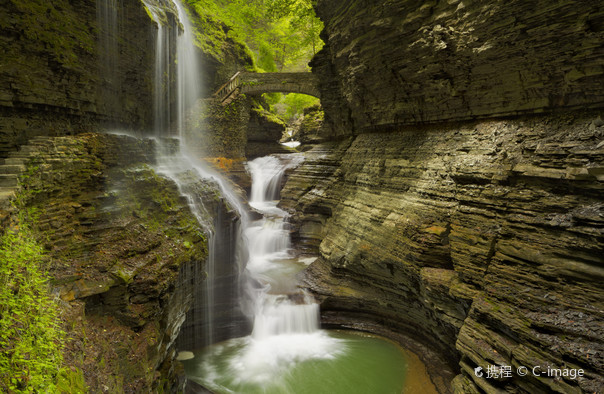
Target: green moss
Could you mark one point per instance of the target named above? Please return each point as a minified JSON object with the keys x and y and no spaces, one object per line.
{"x":55,"y":27}
{"x":155,"y":201}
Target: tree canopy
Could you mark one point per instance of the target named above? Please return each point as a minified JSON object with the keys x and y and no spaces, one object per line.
{"x":282,"y":34}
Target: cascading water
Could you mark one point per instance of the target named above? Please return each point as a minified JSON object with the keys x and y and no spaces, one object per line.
{"x":107,"y":14}
{"x":286,"y":352}
{"x":286,"y":320}
{"x":215,"y":313}
{"x":280,"y":308}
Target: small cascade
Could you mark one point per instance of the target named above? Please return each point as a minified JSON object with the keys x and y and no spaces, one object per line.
{"x":267,"y":174}
{"x":286,"y":320}
{"x":268,"y":238}
{"x":215,"y":312}
{"x":278,"y":315}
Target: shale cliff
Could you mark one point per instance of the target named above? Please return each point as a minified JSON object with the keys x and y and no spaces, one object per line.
{"x":122,"y":250}
{"x":403,"y":62}
{"x":68,"y":67}
{"x":435,"y":217}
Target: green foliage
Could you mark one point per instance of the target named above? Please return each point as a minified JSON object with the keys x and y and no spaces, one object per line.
{"x":290,"y":106}
{"x":283,"y":35}
{"x":71,"y":380}
{"x":30,"y":335}
{"x":296,"y":103}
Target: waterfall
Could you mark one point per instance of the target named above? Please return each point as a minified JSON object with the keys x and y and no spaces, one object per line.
{"x":266,"y":173}
{"x":188,"y":81}
{"x":107,"y":12}
{"x":286,"y":320}
{"x":215,"y":313}
{"x":163,"y":69}
{"x":255,"y":253}
{"x":280,"y":307}
{"x":161,"y":97}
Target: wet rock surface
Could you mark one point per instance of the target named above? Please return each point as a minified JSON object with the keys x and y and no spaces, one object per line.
{"x":55,"y":80}
{"x":483,"y":240}
{"x":123,"y":248}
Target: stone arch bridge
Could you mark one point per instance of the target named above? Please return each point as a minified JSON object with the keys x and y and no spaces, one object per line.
{"x":258,"y":83}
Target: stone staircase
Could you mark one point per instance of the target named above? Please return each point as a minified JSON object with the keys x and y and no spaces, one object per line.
{"x":11,"y":168}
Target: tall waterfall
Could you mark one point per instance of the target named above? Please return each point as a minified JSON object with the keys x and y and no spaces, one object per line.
{"x":107,"y":15}
{"x":215,"y":313}
{"x":256,"y":253}
{"x":188,"y":81}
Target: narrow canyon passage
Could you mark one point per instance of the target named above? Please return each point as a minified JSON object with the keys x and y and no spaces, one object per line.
{"x":287,"y":352}
{"x":309,"y":196}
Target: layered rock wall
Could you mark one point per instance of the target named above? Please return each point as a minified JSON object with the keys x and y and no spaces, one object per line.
{"x":123,"y":250}
{"x":405,"y":62}
{"x":480,"y":238}
{"x":62,"y":72}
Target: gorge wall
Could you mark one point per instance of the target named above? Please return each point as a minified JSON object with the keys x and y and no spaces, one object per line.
{"x":59,"y":76}
{"x":76,"y":66}
{"x":403,"y":62}
{"x":123,"y":252}
{"x":436,"y":217}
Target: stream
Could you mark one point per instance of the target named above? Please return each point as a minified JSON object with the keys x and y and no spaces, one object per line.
{"x":287,"y":352}
{"x":251,"y":328}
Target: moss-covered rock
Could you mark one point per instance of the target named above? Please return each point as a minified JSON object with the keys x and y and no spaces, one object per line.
{"x":64,"y":70}
{"x":118,"y":236}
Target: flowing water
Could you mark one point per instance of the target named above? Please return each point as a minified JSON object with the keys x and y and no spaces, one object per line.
{"x":252,"y":328}
{"x":287,"y":352}
{"x":216,"y":312}
{"x":107,"y":14}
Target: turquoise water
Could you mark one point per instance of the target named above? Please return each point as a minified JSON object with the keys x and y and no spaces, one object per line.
{"x":322,"y":362}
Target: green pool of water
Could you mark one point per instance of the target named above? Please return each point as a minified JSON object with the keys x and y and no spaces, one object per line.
{"x":323,"y":362}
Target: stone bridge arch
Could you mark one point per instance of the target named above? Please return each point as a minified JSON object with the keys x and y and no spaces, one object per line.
{"x":258,"y":83}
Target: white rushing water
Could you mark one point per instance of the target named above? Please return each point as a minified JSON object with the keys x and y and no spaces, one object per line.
{"x":188,"y":81}
{"x":177,"y":88}
{"x":108,"y":19}
{"x":285,"y":320}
